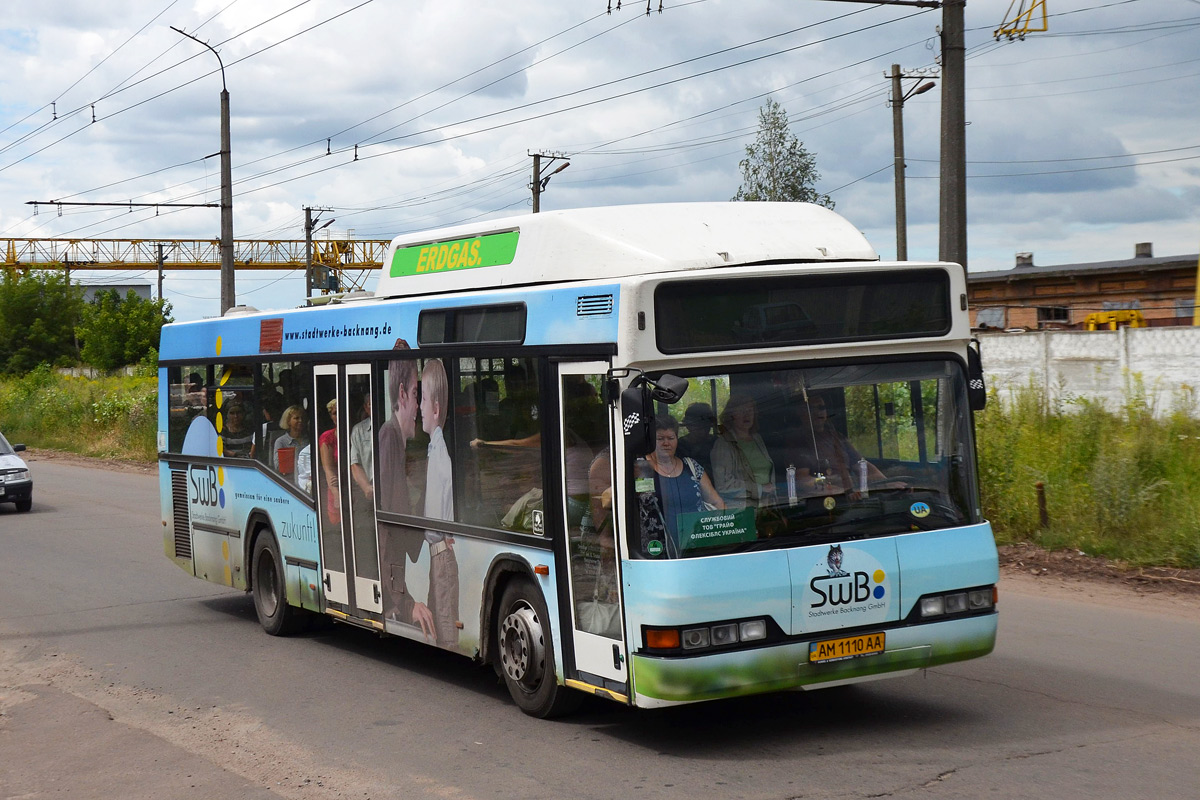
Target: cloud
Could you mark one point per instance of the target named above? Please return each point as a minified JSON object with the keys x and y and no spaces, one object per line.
{"x":446,"y":106}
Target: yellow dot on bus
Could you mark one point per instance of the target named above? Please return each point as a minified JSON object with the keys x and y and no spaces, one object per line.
{"x":218,"y":345}
{"x":879,"y":576}
{"x":221,"y":475}
{"x":225,"y":376}
{"x":220,"y":400}
{"x":220,"y":446}
{"x":225,"y":549}
{"x":220,"y":422}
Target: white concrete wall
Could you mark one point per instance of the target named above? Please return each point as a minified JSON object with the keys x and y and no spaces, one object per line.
{"x":1102,"y":365}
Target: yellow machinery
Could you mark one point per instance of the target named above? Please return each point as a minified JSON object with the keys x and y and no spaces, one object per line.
{"x":1111,"y":320}
{"x":336,"y":256}
{"x":1019,"y":20}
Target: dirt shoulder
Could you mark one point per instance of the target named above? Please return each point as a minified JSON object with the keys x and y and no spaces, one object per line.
{"x":1028,"y":561}
{"x":33,"y":456}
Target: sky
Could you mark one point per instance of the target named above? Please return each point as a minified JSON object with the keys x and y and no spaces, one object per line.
{"x":402,"y":116}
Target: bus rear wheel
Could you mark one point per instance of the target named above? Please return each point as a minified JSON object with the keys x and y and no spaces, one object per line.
{"x":526,"y":653}
{"x":270,"y":599}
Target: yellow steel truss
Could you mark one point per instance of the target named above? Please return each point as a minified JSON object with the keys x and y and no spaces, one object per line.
{"x":1020,"y":23}
{"x":339,"y":255}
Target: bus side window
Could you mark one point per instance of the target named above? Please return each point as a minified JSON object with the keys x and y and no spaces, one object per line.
{"x":500,"y":472}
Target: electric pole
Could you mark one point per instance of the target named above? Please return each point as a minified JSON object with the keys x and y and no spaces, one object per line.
{"x":897,"y":100}
{"x":952,"y":245}
{"x":539,"y":183}
{"x":309,"y":222}
{"x":952,"y":216}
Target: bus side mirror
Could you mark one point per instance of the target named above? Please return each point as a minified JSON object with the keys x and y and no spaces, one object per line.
{"x":669,"y":389}
{"x":637,"y":409}
{"x":976,"y":388}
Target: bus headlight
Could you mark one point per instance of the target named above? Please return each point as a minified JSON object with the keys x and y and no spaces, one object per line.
{"x":753,"y":630}
{"x":974,"y":600}
{"x":956,"y":602}
{"x":705,"y":637}
{"x":981,"y":598}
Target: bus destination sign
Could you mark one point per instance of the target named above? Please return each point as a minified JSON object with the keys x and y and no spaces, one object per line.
{"x":489,"y":250}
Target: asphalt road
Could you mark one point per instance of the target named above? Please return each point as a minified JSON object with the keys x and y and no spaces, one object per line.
{"x":122,"y":676}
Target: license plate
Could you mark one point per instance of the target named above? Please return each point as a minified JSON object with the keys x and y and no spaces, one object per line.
{"x":849,"y":647}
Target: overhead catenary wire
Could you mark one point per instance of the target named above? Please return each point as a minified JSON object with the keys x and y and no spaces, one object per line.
{"x":690,"y":145}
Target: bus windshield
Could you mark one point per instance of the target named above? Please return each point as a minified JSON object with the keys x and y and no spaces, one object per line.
{"x":774,"y":458}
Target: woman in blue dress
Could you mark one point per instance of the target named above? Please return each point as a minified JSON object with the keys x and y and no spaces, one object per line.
{"x":681,"y":484}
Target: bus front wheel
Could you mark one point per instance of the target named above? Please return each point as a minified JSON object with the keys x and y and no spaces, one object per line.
{"x":270,"y":599}
{"x":526,"y":653}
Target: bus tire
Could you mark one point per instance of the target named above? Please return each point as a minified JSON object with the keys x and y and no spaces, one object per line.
{"x":270,"y":597}
{"x":525,"y":653}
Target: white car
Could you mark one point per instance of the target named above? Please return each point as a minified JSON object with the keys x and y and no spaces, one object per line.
{"x":16,"y":482}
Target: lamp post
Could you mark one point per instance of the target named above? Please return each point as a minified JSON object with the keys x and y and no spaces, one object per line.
{"x":227,"y":283}
{"x":309,"y":229}
{"x":899,"y":96}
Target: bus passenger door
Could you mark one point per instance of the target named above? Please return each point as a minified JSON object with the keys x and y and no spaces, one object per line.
{"x":345,"y":497}
{"x":359,"y":448}
{"x":591,"y":536}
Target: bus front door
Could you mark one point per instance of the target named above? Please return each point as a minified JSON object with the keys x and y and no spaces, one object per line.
{"x":597,"y":634}
{"x":344,"y":476}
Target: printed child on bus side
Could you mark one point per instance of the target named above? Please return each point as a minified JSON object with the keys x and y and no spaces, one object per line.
{"x":439,"y":504}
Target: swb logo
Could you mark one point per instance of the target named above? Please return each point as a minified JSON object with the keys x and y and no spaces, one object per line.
{"x":833,"y":586}
{"x":202,"y":486}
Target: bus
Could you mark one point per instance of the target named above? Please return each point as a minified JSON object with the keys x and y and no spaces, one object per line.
{"x":658,"y":454}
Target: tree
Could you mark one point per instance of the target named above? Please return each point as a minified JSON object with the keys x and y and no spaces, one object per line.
{"x":776,"y":166}
{"x":38,"y":313}
{"x":117,"y":331}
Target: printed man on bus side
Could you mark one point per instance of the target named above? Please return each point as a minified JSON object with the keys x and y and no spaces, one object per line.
{"x":398,"y":543}
{"x":439,"y":504}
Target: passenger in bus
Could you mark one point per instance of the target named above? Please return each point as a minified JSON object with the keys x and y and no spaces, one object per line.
{"x":439,"y":504}
{"x":272,"y":405}
{"x":743,"y":471}
{"x":700,"y":438}
{"x":237,"y":438}
{"x":827,"y":463}
{"x":399,"y":543}
{"x":362,"y":458}
{"x":519,"y":407}
{"x":304,"y":469}
{"x":681,"y":484}
{"x":283,"y":454}
{"x":327,"y":455}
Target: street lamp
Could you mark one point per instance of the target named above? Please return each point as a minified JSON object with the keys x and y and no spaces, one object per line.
{"x":227,"y":289}
{"x":898,"y":97}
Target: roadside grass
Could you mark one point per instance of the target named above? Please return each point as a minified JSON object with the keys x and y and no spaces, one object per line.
{"x":113,"y":417}
{"x":1122,"y":485}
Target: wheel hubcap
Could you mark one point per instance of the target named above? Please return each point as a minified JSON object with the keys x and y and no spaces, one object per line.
{"x":523,"y":647}
{"x":267,"y":584}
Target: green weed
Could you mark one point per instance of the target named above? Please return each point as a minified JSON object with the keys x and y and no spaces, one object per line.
{"x":1122,"y":484}
{"x":112,"y":417}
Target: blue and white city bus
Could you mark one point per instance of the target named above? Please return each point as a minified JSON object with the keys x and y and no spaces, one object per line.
{"x":658,"y":454}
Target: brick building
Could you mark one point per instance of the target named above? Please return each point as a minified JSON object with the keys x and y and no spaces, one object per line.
{"x":1032,"y":297}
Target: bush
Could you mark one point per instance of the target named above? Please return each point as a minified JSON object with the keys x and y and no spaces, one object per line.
{"x":1122,"y":485}
{"x":105,"y":417}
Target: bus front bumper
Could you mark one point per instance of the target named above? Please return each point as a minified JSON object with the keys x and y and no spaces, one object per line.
{"x":660,"y":681}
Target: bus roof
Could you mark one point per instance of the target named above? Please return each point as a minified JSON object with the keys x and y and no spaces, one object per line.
{"x":615,"y":242}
